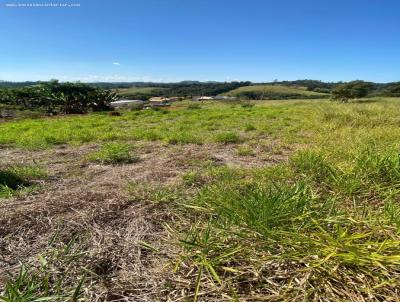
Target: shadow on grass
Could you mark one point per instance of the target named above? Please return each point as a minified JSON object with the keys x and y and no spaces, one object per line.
{"x":12,"y":180}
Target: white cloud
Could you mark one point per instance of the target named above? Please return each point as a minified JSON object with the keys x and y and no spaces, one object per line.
{"x":116,"y":63}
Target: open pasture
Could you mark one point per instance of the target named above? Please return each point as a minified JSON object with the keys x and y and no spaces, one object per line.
{"x":243,"y":201}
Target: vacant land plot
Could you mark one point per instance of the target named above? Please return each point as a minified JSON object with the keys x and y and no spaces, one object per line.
{"x":265,"y":201}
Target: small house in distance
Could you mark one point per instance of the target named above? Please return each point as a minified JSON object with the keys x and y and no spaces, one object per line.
{"x":127,"y":104}
{"x":158,"y":101}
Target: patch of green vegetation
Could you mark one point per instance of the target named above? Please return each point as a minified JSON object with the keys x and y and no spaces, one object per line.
{"x":16,"y":179}
{"x":305,"y":213}
{"x":113,"y":153}
{"x":132,"y":90}
{"x":249,"y":127}
{"x":270,"y":92}
{"x":322,"y":225}
{"x":245,"y":151}
{"x":247,"y":105}
{"x":43,"y":280}
{"x":194,"y":179}
{"x":193,"y":106}
{"x":153,"y":193}
{"x":227,"y":138}
{"x":334,"y":204}
{"x":143,"y":93}
{"x":183,"y":137}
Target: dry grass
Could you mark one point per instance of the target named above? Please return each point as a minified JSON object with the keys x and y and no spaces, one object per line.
{"x":114,"y":215}
{"x":303,"y":207}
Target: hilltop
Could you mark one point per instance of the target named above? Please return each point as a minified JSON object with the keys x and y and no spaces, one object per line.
{"x":277,"y":91}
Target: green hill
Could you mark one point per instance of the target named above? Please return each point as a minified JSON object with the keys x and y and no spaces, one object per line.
{"x":269,"y":92}
{"x":141,"y":92}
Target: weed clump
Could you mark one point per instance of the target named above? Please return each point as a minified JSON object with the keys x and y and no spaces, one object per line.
{"x":379,"y":167}
{"x":313,"y":166}
{"x":14,"y":179}
{"x":249,"y":127}
{"x":183,"y":138}
{"x":245,"y":151}
{"x":227,"y":138}
{"x":113,"y":153}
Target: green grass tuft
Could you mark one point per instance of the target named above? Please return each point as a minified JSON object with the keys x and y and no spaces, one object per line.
{"x":227,"y":138}
{"x":113,"y":153}
{"x":17,"y":178}
{"x":245,"y":151}
{"x":249,"y":127}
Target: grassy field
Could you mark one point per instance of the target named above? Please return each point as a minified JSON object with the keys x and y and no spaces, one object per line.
{"x":266,"y":201}
{"x":275,"y":91}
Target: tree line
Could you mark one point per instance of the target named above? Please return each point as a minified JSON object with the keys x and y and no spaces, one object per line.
{"x":184,"y":89}
{"x":54,"y":97}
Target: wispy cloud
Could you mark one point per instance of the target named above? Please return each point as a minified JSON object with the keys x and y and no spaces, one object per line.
{"x":116,"y":63}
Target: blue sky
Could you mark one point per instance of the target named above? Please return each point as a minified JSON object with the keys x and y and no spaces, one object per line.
{"x":174,"y":40}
